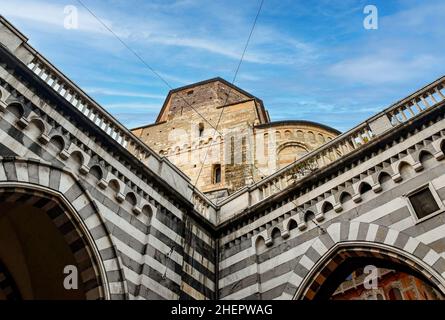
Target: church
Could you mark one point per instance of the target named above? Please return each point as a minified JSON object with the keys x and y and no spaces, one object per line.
{"x":214,"y":200}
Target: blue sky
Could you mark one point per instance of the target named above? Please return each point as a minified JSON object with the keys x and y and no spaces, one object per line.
{"x":310,"y":60}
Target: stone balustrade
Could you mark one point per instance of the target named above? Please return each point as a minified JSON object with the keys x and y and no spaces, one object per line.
{"x":397,"y":114}
{"x":100,"y":117}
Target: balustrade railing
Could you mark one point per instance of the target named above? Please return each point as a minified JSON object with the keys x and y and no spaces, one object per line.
{"x":397,"y":114}
{"x":404,"y":110}
{"x":106,"y":122}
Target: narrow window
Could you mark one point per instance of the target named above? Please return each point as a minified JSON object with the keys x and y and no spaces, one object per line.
{"x":217,"y":173}
{"x":201,"y":129}
{"x":243,"y":150}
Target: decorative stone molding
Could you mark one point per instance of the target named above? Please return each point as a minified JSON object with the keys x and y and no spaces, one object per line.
{"x":439,"y":155}
{"x":302,"y":226}
{"x":396,"y":177}
{"x":417,"y":166}
{"x":22,"y":123}
{"x":338,"y":208}
{"x":44,"y":139}
{"x":84,"y":169}
{"x":137,"y":210}
{"x":102,"y":184}
{"x":120,"y":197}
{"x":319,"y":217}
{"x":64,"y":154}
{"x":372,"y":177}
{"x":377,"y":188}
{"x":357,"y":198}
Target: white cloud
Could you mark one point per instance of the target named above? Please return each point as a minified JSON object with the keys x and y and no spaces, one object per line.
{"x":381,"y":68}
{"x":417,"y":18}
{"x":268,"y":46}
{"x":133,"y":106}
{"x":175,"y":78}
{"x":52,"y":14}
{"x":122,"y":93}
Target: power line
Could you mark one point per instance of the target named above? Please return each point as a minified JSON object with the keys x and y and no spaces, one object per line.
{"x":194,"y":109}
{"x":296,"y":206}
{"x":168,"y":255}
{"x":225,"y":103}
{"x":140,"y":59}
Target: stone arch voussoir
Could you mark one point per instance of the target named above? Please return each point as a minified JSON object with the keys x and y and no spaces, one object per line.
{"x":41,"y":178}
{"x":397,"y":246}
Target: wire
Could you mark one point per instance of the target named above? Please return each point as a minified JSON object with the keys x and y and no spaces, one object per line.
{"x":225,"y":103}
{"x":296,"y":206}
{"x":141,"y":60}
{"x":168,"y":255}
{"x":230,"y":90}
{"x":194,"y":109}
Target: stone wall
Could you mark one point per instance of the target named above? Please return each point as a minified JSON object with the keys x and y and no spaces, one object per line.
{"x":140,"y":215}
{"x":150,"y":242}
{"x":272,"y":251}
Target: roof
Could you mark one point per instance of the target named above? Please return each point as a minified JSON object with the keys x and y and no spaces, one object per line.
{"x":216,"y":79}
{"x":260,"y":108}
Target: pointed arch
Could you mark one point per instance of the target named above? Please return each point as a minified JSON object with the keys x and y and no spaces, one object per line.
{"x":97,"y":172}
{"x":76,"y":160}
{"x":426,"y":158}
{"x":16,"y":108}
{"x":115,"y":185}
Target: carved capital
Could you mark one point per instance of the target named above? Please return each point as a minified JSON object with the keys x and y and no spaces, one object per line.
{"x":84,"y":169}
{"x":396,"y":177}
{"x":338,"y":207}
{"x":137,"y":210}
{"x":44,"y":139}
{"x":102,"y":184}
{"x":319,"y":217}
{"x":377,"y":187}
{"x":120,"y":197}
{"x":357,"y":198}
{"x":439,"y":155}
{"x":418,"y":166}
{"x":302,"y":226}
{"x":22,"y":123}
